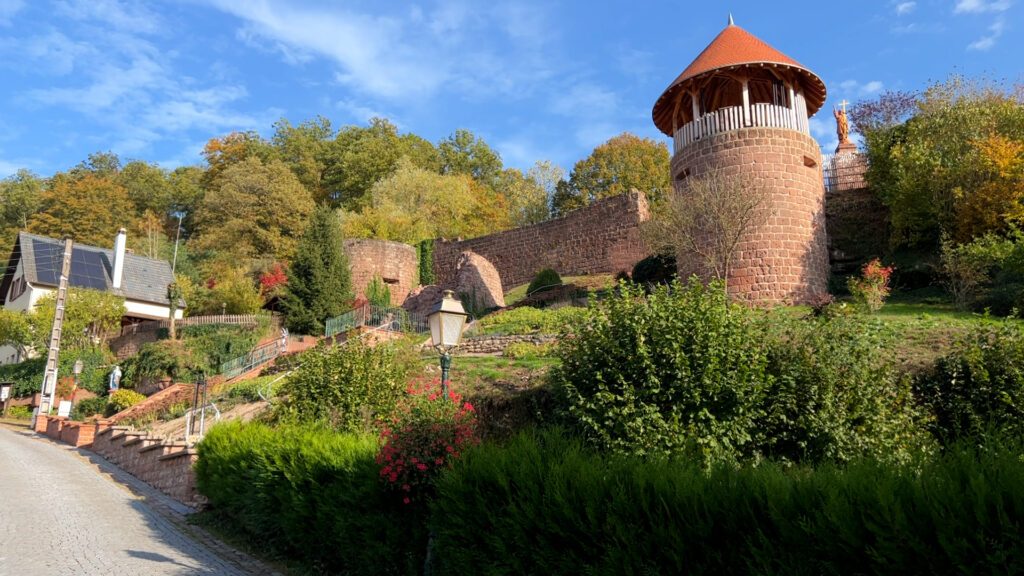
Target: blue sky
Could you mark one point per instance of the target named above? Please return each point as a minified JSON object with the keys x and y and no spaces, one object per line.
{"x":155,"y":80}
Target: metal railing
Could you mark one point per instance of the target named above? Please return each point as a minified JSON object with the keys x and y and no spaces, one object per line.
{"x":760,"y":115}
{"x":846,"y":171}
{"x":378,"y":317}
{"x":255,"y":357}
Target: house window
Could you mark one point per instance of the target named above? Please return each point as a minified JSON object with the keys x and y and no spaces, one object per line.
{"x":18,"y":288}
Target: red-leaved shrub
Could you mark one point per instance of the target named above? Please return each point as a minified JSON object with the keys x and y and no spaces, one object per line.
{"x":427,"y":433}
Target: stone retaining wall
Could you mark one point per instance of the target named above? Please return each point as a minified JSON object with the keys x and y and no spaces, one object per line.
{"x":498,"y":344}
{"x":163,"y":464}
{"x":601,"y":238}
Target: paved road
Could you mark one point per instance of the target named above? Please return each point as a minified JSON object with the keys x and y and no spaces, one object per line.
{"x":60,"y":516}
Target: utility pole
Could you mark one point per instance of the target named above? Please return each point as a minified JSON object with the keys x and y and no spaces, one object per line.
{"x":50,"y":375}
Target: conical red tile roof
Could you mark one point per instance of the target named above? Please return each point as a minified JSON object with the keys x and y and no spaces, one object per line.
{"x":734,"y":47}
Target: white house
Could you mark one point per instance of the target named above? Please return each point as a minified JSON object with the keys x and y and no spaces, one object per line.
{"x":33,"y":270}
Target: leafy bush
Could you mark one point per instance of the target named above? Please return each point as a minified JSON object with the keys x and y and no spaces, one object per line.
{"x":832,"y":396}
{"x":164,"y":358}
{"x":527,"y":320}
{"x":872,"y":287}
{"x":978,"y":389}
{"x":215,"y":344}
{"x":545,"y":505}
{"x":655,"y":269}
{"x":89,"y":407}
{"x":27,"y":376}
{"x":378,"y":293}
{"x":122,"y":399}
{"x":310,"y":493}
{"x":349,"y":387}
{"x":544,"y":280}
{"x":19,"y":412}
{"x":429,"y":432}
{"x":680,"y":371}
{"x":528,"y":350}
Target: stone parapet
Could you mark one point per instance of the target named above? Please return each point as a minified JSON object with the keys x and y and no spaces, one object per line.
{"x":602,"y":238}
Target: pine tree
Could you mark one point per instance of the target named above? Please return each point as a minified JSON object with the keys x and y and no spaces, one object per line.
{"x":319,"y":284}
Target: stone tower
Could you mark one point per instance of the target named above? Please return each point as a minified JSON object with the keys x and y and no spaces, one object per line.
{"x":741,"y":109}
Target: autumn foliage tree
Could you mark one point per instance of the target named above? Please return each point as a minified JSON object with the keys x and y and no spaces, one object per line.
{"x":89,"y":208}
{"x":949,"y":162}
{"x":624,"y":163}
{"x":256,"y":209}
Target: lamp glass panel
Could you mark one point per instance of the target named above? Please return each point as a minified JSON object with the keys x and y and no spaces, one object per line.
{"x":435,"y":328}
{"x":452,"y":331}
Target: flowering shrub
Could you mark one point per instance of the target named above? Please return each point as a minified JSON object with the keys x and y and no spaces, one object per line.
{"x":872,"y":288}
{"x":429,"y":431}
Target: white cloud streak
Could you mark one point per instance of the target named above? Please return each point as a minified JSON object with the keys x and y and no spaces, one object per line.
{"x":904,"y":8}
{"x":8,"y":8}
{"x":980,"y":6}
{"x":987,"y":41}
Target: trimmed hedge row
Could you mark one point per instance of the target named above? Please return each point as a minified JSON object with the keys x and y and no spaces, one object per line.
{"x":310,"y":493}
{"x":544,"y":504}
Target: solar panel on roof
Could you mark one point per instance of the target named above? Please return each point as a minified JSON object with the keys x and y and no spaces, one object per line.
{"x":88,"y":269}
{"x":47,"y":259}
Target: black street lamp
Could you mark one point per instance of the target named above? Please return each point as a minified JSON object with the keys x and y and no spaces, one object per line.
{"x":446,"y":320}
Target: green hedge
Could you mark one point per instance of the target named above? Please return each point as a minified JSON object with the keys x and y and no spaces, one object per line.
{"x":546,"y":505}
{"x":977,"y":390}
{"x":527,"y":320}
{"x":310,"y":494}
{"x":27,"y":376}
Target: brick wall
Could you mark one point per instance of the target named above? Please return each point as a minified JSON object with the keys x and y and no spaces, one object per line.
{"x":395,"y":263}
{"x":601,"y":238}
{"x":785,"y":259}
{"x":163,"y":464}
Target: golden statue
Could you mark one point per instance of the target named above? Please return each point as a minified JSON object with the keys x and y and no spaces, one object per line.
{"x":842,"y":126}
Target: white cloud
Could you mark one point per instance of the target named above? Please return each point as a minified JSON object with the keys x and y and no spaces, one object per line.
{"x":8,"y":8}
{"x":904,"y":8}
{"x":362,"y":113}
{"x":987,"y":41}
{"x":131,"y":17}
{"x":585,"y":100}
{"x":978,"y":6}
{"x":851,"y":88}
{"x":411,"y":56}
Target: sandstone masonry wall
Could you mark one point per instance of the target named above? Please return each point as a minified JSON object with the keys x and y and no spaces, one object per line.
{"x":786,"y":259}
{"x":601,"y":238}
{"x":397,"y":265}
{"x":857,"y":220}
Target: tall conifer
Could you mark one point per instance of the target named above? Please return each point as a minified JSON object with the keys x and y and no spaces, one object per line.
{"x":319,"y":283}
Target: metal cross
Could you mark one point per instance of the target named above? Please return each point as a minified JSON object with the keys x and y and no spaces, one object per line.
{"x":843,"y":104}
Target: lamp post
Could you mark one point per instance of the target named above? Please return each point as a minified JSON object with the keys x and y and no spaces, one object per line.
{"x":78,"y":372}
{"x":446,"y":320}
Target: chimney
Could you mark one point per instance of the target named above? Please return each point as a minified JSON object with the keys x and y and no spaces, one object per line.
{"x":119,"y":243}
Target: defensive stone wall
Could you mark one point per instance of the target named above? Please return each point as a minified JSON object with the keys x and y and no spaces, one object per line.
{"x":395,"y":263}
{"x":857,"y":220}
{"x":786,"y":258}
{"x":603,"y":237}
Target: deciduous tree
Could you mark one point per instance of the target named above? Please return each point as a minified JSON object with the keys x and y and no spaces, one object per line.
{"x":89,"y":208}
{"x":360,"y":157}
{"x":619,"y":165}
{"x":256,"y":209}
{"x":465,"y":153}
{"x":706,"y":219}
{"x":20,"y":197}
